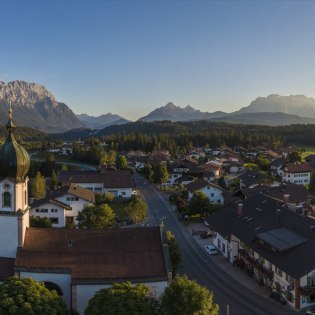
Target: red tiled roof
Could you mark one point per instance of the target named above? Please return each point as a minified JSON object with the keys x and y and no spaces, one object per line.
{"x":297,"y":167}
{"x":95,"y":254}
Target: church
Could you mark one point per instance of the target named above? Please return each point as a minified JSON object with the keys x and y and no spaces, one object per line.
{"x":75,"y":262}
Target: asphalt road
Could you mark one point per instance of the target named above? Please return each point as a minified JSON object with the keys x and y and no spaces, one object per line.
{"x":199,"y":266}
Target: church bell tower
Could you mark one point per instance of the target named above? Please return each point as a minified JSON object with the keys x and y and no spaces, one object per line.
{"x":14,"y":209}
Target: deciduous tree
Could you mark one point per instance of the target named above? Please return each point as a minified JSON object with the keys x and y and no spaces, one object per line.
{"x":199,"y":203}
{"x":187,"y":297}
{"x":160,"y":173}
{"x":137,"y":210}
{"x":175,"y":254}
{"x":99,"y":216}
{"x":121,"y":162}
{"x":29,"y":297}
{"x":123,"y":298}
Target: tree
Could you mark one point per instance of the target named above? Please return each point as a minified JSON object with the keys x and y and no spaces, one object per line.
{"x":64,"y":167}
{"x":123,"y":298}
{"x":160,"y":174}
{"x":148,"y":171}
{"x":187,"y":297}
{"x":199,"y":203}
{"x":108,"y":197}
{"x":121,"y":162}
{"x":100,"y":217}
{"x":40,"y":222}
{"x":38,"y":188}
{"x":53,"y":180}
{"x":29,"y":297}
{"x":295,"y":156}
{"x":175,"y":254}
{"x":137,"y":210}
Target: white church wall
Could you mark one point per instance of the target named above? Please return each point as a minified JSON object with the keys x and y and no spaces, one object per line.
{"x":63,"y":280}
{"x":9,"y":236}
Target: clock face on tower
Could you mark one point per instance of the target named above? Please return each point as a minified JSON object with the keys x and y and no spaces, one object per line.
{"x":6,"y":186}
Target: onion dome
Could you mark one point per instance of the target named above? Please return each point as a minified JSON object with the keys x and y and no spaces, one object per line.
{"x":14,"y":160}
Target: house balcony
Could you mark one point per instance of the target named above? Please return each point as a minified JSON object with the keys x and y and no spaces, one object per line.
{"x":255,"y":264}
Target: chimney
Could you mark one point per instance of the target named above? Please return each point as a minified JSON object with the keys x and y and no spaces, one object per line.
{"x":239,"y":209}
{"x":286,"y":198}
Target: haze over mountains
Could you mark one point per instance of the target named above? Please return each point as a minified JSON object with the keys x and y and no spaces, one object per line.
{"x":102,"y":121}
{"x":34,"y":106}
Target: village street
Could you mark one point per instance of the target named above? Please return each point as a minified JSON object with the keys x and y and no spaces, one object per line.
{"x":233,"y":296}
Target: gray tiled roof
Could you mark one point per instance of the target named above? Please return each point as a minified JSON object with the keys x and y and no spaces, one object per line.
{"x":261,"y":214}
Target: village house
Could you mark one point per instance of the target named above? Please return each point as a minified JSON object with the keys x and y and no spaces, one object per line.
{"x":117,"y":182}
{"x":265,"y":237}
{"x":212,"y":191}
{"x":62,"y":206}
{"x":297,"y":173}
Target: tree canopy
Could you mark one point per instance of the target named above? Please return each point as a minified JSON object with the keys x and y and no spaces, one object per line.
{"x":38,"y":187}
{"x":40,"y":222}
{"x":160,"y":173}
{"x":199,"y":203}
{"x":137,"y":210}
{"x":121,"y":162}
{"x":123,"y":298}
{"x":98,"y":216}
{"x":29,"y":297}
{"x":187,"y":297}
{"x":175,"y":254}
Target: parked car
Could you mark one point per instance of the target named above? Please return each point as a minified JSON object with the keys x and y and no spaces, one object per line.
{"x":278,"y":297}
{"x":211,"y":249}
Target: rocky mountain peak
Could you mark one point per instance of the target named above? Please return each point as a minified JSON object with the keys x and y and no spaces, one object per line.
{"x":34,"y":106}
{"x":21,"y":93}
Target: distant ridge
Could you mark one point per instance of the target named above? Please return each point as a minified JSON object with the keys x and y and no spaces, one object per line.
{"x":175,"y":113}
{"x":102,"y":121}
{"x":299,"y":105}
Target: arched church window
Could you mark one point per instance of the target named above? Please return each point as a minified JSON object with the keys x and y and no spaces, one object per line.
{"x":53,"y":286}
{"x":6,"y":199}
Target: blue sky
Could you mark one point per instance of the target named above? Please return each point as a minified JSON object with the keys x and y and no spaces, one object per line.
{"x":129,"y":57}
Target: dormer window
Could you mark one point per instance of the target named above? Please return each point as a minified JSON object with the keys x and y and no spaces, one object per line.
{"x":6,"y":199}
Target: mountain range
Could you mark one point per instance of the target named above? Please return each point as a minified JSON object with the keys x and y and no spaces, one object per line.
{"x":176,"y":113}
{"x":34,"y":106}
{"x":102,"y":121}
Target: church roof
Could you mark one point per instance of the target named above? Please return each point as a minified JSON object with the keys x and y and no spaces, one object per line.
{"x":14,"y":159}
{"x":95,"y":255}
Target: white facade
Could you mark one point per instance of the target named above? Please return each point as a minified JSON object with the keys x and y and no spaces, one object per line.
{"x":213,"y":193}
{"x":99,"y":188}
{"x":13,"y":223}
{"x":50,"y":210}
{"x":297,"y":178}
{"x":119,"y":192}
{"x":76,"y":203}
